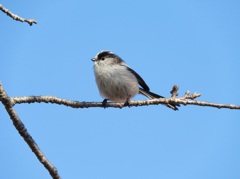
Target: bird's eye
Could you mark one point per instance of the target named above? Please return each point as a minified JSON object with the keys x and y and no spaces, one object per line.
{"x":102,"y":58}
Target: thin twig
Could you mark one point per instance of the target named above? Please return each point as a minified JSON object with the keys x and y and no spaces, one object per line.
{"x":185,"y":100}
{"x":174,"y":91}
{"x":17,"y":18}
{"x":7,"y":102}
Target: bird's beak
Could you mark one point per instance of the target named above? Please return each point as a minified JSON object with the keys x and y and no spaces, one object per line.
{"x":93,"y":59}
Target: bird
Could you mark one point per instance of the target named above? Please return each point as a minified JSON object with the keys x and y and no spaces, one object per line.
{"x":118,"y":82}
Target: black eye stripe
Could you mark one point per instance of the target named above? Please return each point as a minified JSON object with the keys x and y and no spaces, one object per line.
{"x":103,"y":54}
{"x":106,"y":54}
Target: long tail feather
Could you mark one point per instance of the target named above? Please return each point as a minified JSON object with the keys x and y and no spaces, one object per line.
{"x":152,"y":95}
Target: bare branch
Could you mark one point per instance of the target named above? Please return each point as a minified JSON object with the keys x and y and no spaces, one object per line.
{"x":17,"y":18}
{"x":185,"y":100}
{"x":7,"y":102}
{"x":174,"y":91}
{"x":191,"y":96}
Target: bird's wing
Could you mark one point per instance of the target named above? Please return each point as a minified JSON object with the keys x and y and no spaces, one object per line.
{"x":139,"y":78}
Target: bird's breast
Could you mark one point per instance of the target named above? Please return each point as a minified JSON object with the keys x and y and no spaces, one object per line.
{"x":116,"y":82}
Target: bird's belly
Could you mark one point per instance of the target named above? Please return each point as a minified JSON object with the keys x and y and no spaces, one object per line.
{"x":117,"y":86}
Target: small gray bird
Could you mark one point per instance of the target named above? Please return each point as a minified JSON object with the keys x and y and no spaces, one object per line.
{"x":117,"y":82}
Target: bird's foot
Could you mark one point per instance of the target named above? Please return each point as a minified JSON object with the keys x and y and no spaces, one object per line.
{"x":104,"y":103}
{"x":127,"y":102}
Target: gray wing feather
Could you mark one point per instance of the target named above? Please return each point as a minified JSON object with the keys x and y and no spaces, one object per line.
{"x":139,"y":78}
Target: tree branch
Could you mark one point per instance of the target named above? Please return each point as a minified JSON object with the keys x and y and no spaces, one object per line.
{"x":187,"y":99}
{"x":7,"y":102}
{"x":17,"y":18}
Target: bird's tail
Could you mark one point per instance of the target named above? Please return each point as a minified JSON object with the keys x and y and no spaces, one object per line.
{"x":152,"y":95}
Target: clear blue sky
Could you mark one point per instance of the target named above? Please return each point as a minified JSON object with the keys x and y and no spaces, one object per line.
{"x":194,"y":44}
